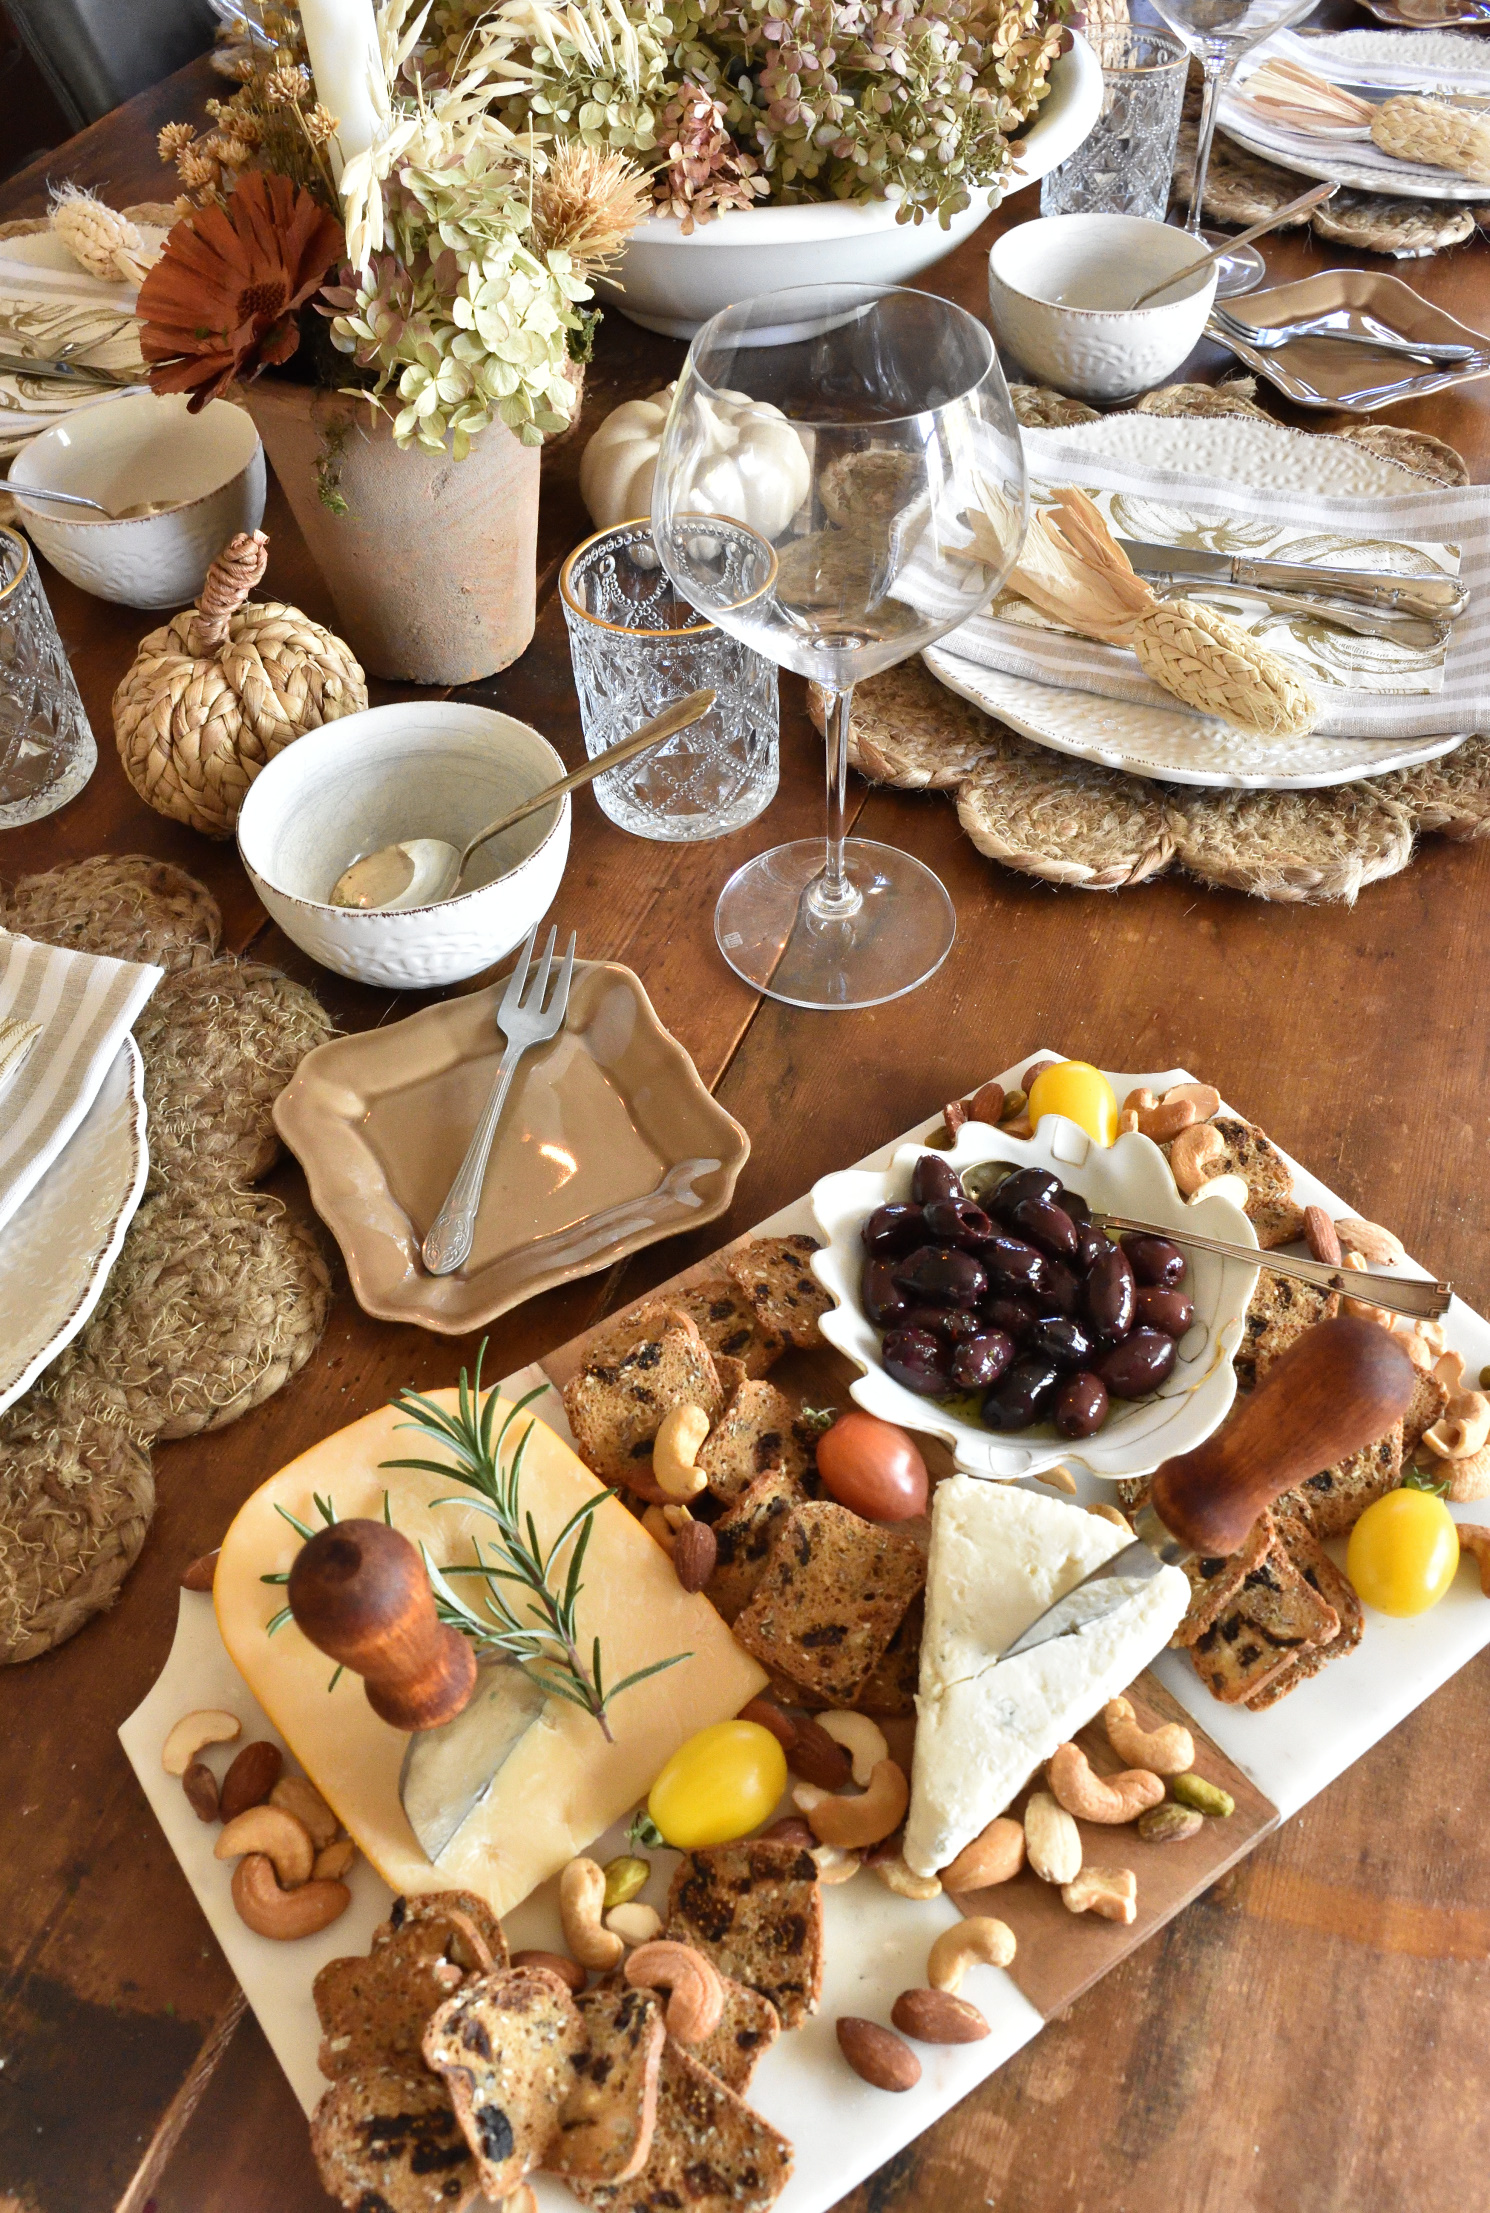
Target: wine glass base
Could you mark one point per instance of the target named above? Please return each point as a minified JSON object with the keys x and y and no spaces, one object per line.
{"x":901,"y":932}
{"x":1240,"y":269}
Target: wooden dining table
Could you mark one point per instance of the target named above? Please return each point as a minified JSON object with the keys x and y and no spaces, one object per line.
{"x":1309,"y":2036}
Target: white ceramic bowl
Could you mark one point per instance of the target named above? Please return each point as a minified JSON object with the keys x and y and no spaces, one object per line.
{"x":428,"y":768}
{"x":1131,"y":1177}
{"x":1058,"y":291}
{"x":139,"y":446}
{"x":674,"y":283}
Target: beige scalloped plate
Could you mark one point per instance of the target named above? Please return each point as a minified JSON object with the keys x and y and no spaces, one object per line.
{"x":609,"y":1141}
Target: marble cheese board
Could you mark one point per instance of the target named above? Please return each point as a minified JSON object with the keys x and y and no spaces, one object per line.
{"x":1272,"y":1762}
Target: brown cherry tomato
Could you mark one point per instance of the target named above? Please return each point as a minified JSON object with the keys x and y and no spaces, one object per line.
{"x":872,"y":1468}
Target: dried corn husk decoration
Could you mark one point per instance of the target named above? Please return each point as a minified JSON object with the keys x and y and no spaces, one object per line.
{"x":103,"y":243}
{"x":1409,"y":126}
{"x":222,"y":688}
{"x":1073,"y":569}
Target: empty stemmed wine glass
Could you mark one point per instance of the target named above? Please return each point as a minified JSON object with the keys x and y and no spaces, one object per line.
{"x":1218,"y":33}
{"x":912,"y":516}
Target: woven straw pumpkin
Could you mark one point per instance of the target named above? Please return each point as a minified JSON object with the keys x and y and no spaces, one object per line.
{"x":224,"y":687}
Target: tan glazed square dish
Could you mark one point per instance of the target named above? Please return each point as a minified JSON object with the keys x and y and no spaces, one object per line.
{"x":1319,"y":372}
{"x":608,"y":1141}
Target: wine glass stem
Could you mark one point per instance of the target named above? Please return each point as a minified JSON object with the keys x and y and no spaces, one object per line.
{"x":832,"y":896}
{"x":1216,"y":66}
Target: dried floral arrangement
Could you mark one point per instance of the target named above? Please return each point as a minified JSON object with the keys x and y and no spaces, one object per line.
{"x":442,"y":273}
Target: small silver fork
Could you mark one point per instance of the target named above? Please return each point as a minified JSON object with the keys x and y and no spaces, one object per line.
{"x":524,"y":1023}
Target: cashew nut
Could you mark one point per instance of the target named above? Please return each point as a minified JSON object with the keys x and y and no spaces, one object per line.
{"x":1194,"y":1156}
{"x":1448,"y":1369}
{"x":1111,"y":1892}
{"x":658,"y":1530}
{"x":1204,"y":1096}
{"x":980,"y":1941}
{"x":1139,"y":1101}
{"x":677,"y":1444}
{"x":278,"y":1835}
{"x":192,"y":1731}
{"x":284,"y":1914}
{"x":834,"y":1866}
{"x":635,"y":1922}
{"x":1127,"y":1121}
{"x":1059,"y":1478}
{"x":1110,"y":1513}
{"x":1462,"y":1429}
{"x":897,"y":1876}
{"x":855,"y":1822}
{"x":861,"y":1738}
{"x":1374,"y":1244}
{"x":581,"y":1905}
{"x":333,"y":1860}
{"x":993,"y":1857}
{"x":695,"y":1992}
{"x":1105,"y":1798}
{"x":1169,"y":1750}
{"x":299,"y":1796}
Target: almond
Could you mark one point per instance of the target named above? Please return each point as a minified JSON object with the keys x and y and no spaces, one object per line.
{"x":198,"y":1576}
{"x":818,"y":1758}
{"x":1320,"y":1232}
{"x":878,"y":2056}
{"x":200,"y":1785}
{"x":936,"y":2017}
{"x":569,"y":1971}
{"x":250,"y":1779}
{"x":767,"y":1716}
{"x":987,"y":1103}
{"x":790,"y":1831}
{"x":695,"y":1554}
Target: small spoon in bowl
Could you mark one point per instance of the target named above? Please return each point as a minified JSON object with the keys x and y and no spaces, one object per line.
{"x":1305,"y":202}
{"x":421,"y":872}
{"x":135,"y":513}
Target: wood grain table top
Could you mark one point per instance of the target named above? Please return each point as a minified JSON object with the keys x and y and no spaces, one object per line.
{"x":1308,"y":2036}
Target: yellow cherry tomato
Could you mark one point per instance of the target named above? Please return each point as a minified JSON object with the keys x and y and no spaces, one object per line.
{"x":1403,"y":1552}
{"x":1080,"y":1092}
{"x":721,"y":1784}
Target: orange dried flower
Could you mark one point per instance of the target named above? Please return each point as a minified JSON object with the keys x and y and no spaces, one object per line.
{"x":221,"y":301}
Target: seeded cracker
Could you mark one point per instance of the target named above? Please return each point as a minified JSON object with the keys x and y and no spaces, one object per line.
{"x":505,"y":2045}
{"x":1214,"y":1583}
{"x":1280,"y":1312}
{"x":759,"y":1429}
{"x":1428,"y":1402}
{"x":756,"y":1910}
{"x":729,"y":1324}
{"x":607,"y":2120}
{"x":748,"y":2026}
{"x":451,"y":1917}
{"x":889,"y":1689}
{"x":616,"y":1403}
{"x":1331,"y":1503}
{"x":1271,"y":1618}
{"x":386,"y":2139}
{"x":374,"y":2011}
{"x":710,"y":2153}
{"x":1321,"y":1573}
{"x":1270,"y":1204}
{"x":775,"y":1276}
{"x":834,"y":1592}
{"x":744,"y":1535}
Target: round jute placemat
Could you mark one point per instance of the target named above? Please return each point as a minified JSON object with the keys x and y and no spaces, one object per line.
{"x":1449,"y":796}
{"x":217,"y":1299}
{"x":900,"y":734}
{"x":1239,"y":187}
{"x":1283,"y":845}
{"x":219,"y":1045}
{"x":125,"y":904}
{"x":1408,"y":229}
{"x":1066,"y":821}
{"x":76,"y":1498}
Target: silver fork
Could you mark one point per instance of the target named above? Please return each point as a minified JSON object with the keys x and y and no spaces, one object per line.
{"x":1268,"y":339}
{"x":524,"y":1023}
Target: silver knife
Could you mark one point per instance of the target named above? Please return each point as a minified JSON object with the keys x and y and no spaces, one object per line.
{"x":1439,"y":598}
{"x":1335,"y":1391}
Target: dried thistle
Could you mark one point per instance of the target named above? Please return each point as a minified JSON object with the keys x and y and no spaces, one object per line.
{"x":586,"y":203}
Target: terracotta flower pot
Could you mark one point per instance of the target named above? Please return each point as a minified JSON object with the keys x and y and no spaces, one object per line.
{"x":433,"y":564}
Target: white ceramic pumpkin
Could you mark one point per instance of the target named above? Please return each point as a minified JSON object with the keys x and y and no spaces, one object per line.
{"x":755,"y":470}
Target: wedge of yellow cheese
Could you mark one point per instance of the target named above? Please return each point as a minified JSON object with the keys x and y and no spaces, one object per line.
{"x":562,"y":1785}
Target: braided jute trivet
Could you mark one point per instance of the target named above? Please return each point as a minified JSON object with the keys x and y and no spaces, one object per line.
{"x":76,"y":1498}
{"x":1066,"y":821}
{"x":218,"y":1298}
{"x":1239,"y":187}
{"x":910,"y":731}
{"x":125,"y":904}
{"x":1283,"y":845}
{"x":1450,"y":795}
{"x":1409,"y":229}
{"x":219,"y":1045}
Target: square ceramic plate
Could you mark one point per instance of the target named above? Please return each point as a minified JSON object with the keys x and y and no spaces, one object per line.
{"x":608,"y":1141}
{"x":1320,"y":372}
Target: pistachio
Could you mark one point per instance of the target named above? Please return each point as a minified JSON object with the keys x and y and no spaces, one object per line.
{"x":1207,"y":1798}
{"x":1169,"y":1824}
{"x":1015,"y":1102}
{"x":624,"y":1877}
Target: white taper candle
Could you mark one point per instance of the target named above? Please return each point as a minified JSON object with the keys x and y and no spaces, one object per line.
{"x":342,"y":39}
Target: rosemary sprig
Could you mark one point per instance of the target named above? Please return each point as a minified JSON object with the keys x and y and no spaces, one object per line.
{"x":544,"y":1636}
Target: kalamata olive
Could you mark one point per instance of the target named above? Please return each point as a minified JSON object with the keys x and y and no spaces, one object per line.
{"x":932,"y":1178}
{"x":918,"y":1360}
{"x":1045,"y":1224}
{"x":1065,"y":1342}
{"x":1025,"y":1183}
{"x":1091,"y":1244}
{"x":1154,"y":1260}
{"x":894,"y":1229}
{"x":1081,"y":1406}
{"x":1138,"y":1365}
{"x":940,"y":1275}
{"x":1027,"y":1391}
{"x":872,"y":1468}
{"x":1055,"y":1290}
{"x":1015,"y":1316}
{"x":1072,"y":1203}
{"x":1111,"y":1296}
{"x":951,"y":1323}
{"x":1170,"y":1311}
{"x":884,"y":1301}
{"x":979,"y":1361}
{"x":1013,"y":1264}
{"x":957,"y":1222}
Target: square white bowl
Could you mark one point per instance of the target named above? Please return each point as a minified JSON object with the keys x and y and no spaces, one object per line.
{"x":1130,"y":1177}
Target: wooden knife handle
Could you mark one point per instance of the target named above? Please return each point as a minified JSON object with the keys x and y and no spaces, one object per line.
{"x":360,"y":1593}
{"x":1338,"y":1389}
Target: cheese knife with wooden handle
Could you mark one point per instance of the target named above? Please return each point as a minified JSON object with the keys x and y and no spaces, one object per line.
{"x":1334,"y":1392}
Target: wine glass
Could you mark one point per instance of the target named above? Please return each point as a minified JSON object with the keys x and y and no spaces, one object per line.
{"x":1218,"y":33}
{"x":893,"y":511}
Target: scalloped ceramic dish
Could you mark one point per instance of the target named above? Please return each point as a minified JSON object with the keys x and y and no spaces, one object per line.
{"x":1131,"y":1177}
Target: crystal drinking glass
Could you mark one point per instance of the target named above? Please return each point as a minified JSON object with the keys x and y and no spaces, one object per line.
{"x":47,"y":753}
{"x":1124,"y":167}
{"x":913,"y":514}
{"x":1218,"y":33}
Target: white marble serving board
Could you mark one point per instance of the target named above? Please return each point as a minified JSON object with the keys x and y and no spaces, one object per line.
{"x":876,"y":1943}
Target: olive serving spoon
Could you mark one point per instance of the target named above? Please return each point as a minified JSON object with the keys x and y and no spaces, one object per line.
{"x":421,"y":872}
{"x":136,"y":512}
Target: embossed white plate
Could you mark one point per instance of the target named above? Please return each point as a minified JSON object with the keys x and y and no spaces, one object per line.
{"x":58,"y":1247}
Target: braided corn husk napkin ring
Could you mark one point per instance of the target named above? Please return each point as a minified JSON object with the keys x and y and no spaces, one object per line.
{"x":1409,"y":126}
{"x":1073,"y":569}
{"x":222,"y":688}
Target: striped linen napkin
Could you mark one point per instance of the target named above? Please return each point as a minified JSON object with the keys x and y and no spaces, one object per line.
{"x":85,"y":1005}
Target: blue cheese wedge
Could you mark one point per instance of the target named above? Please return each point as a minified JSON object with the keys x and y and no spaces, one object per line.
{"x":999,"y":1557}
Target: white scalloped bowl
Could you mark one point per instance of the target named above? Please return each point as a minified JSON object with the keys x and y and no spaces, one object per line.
{"x":1131,"y":1177}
